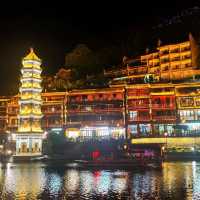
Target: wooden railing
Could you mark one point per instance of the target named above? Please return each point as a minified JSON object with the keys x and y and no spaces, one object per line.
{"x":136,"y":106}
{"x":140,"y":118}
{"x":12,"y":125}
{"x":51,"y":112}
{"x":94,"y":110}
{"x":52,"y":125}
{"x":163,"y":106}
{"x":99,"y":122}
{"x":164,"y":118}
{"x":137,"y":93}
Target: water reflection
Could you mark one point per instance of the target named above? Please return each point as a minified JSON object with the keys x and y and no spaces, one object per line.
{"x":178,"y":180}
{"x":71,"y":181}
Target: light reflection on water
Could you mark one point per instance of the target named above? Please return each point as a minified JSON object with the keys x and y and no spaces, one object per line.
{"x":178,"y":180}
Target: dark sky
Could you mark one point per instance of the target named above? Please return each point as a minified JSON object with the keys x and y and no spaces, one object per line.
{"x":54,"y":28}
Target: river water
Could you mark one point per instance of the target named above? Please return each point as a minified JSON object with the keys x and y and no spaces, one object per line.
{"x":176,"y":181}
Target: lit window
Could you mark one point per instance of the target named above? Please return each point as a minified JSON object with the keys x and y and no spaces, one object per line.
{"x":133,"y":114}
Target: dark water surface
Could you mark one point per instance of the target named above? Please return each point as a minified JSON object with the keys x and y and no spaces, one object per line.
{"x":176,"y":181}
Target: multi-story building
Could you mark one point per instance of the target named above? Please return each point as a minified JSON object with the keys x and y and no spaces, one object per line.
{"x":96,"y":112}
{"x":153,"y":99}
{"x":53,"y":109}
{"x":84,"y":112}
{"x":152,"y":113}
{"x":169,"y":60}
{"x":12,"y":112}
{"x":138,"y":109}
{"x":3,"y":114}
{"x":188,"y":103}
{"x":159,"y":109}
{"x":173,"y":62}
{"x":162,"y":93}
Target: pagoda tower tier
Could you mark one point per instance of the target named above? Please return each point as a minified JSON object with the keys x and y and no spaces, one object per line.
{"x":29,"y":135}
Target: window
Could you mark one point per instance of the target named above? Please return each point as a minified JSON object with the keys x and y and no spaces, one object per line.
{"x":165,"y":60}
{"x":84,"y":97}
{"x":73,"y":98}
{"x":168,"y":101}
{"x":177,"y":50}
{"x":157,"y":101}
{"x":145,"y":129}
{"x":188,"y":65}
{"x":166,"y":68}
{"x":132,"y":129}
{"x":198,"y":102}
{"x":133,"y":114}
{"x":186,"y":102}
{"x":187,"y":114}
{"x":175,"y":59}
{"x":176,"y":67}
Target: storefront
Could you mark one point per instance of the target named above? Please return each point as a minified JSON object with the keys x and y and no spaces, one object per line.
{"x":88,"y":132}
{"x":164,"y":129}
{"x":139,"y":129}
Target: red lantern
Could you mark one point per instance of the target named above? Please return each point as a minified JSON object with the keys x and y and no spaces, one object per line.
{"x":95,"y":155}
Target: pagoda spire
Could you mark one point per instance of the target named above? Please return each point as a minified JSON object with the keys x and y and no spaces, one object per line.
{"x":32,"y":55}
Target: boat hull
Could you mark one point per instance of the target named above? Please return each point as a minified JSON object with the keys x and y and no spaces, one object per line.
{"x":119,"y":164}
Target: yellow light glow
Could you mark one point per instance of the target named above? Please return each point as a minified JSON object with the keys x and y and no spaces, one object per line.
{"x":30,"y":99}
{"x":170,"y":141}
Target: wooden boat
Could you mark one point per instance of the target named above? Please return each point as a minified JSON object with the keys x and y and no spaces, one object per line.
{"x":119,"y":163}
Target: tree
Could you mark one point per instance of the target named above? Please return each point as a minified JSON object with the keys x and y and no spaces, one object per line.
{"x":81,"y":55}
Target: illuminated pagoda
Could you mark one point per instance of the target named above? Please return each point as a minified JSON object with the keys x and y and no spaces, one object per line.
{"x":29,"y":135}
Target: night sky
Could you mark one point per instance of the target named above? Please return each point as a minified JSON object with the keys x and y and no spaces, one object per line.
{"x":53,"y":29}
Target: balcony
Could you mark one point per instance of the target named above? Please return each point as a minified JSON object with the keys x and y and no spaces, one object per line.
{"x":115,"y":73}
{"x":175,"y":51}
{"x":138,"y":93}
{"x":12,"y":125}
{"x":164,"y":53}
{"x":73,"y":123}
{"x":137,"y":107}
{"x":98,"y":123}
{"x":140,"y":118}
{"x":113,"y":101}
{"x":52,"y":112}
{"x":163,"y":106}
{"x":187,"y":118}
{"x":137,"y":71}
{"x":52,"y":125}
{"x":163,"y":92}
{"x":13,"y":112}
{"x":174,"y":59}
{"x":186,"y":48}
{"x":164,"y":118}
{"x":95,"y":110}
{"x":3,"y":117}
{"x":97,"y":100}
